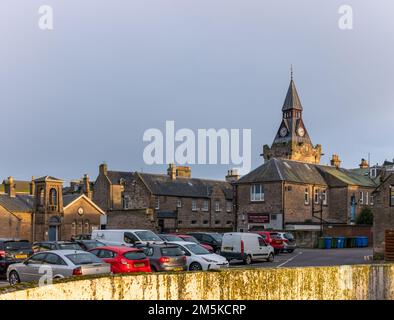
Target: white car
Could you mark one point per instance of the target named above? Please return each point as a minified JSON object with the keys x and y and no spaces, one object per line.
{"x":126,"y":237}
{"x":199,"y":258}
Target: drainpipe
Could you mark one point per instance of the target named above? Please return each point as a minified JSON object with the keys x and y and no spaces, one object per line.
{"x":283,"y":205}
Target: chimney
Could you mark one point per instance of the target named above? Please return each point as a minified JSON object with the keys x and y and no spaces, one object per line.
{"x":364,"y":164}
{"x":183,"y":171}
{"x":171,"y":171}
{"x":32,"y":186}
{"x":9,"y":187}
{"x":103,"y":169}
{"x":232,"y":175}
{"x":86,"y":186}
{"x":335,"y":161}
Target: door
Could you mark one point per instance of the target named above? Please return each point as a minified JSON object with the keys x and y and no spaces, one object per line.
{"x":30,"y":271}
{"x":53,"y":233}
{"x":58,"y":265}
{"x":263,"y":248}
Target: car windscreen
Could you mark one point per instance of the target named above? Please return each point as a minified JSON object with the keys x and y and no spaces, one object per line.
{"x":169,"y":237}
{"x":147,"y":236}
{"x":171,"y":252}
{"x":289,"y":236}
{"x":218,"y":237}
{"x":134,"y":255}
{"x":16,"y":245}
{"x":197,"y":249}
{"x":190,"y":239}
{"x":69,"y":246}
{"x":83,"y":258}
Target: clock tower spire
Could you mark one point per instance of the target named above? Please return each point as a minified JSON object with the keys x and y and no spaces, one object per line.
{"x":292,"y":140}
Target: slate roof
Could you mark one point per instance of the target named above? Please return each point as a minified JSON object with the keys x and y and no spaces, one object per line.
{"x":292,"y":100}
{"x":20,"y":186}
{"x":116,"y":176}
{"x":45,"y":178}
{"x":299,"y":172}
{"x":19,"y":203}
{"x":68,"y":198}
{"x":161,"y":184}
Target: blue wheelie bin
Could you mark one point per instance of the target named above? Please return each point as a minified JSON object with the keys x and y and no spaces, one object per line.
{"x":341,"y":242}
{"x":327,"y":242}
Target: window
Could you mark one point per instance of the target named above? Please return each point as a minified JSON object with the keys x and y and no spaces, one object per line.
{"x":217,"y":221}
{"x":229,"y":222}
{"x":126,"y":202}
{"x":54,"y":259}
{"x":367,"y":198}
{"x":180,"y":222}
{"x":38,"y":258}
{"x":262,"y":243}
{"x":229,"y":206}
{"x":257,"y":192}
{"x":87,"y":226}
{"x":316,"y":196}
{"x":42,"y":196}
{"x":53,"y":197}
{"x":205,"y":205}
{"x":205,"y":222}
{"x":392,"y":196}
{"x":361,"y":197}
{"x":217,"y":206}
{"x":324,"y":197}
{"x":106,"y":254}
{"x":129,"y":237}
{"x":371,"y":200}
{"x":179,"y":203}
{"x":157,"y":207}
{"x":273,"y":217}
{"x":194,"y":205}
{"x":194,"y":221}
{"x":373,"y":173}
{"x":306,"y":196}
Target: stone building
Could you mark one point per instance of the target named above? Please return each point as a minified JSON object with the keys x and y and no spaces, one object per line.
{"x":291,"y":190}
{"x":165,"y":202}
{"x":45,"y":213}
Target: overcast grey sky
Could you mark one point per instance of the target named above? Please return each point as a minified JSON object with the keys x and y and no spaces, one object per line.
{"x":86,"y":91}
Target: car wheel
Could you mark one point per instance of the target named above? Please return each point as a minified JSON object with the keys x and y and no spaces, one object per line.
{"x":290,"y":251}
{"x":248,"y":259}
{"x":195,"y":266}
{"x":271,"y":257}
{"x":276,"y":251}
{"x":14,"y":278}
{"x":153,"y":269}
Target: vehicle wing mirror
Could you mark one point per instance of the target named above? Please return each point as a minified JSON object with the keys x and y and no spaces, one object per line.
{"x":26,"y":262}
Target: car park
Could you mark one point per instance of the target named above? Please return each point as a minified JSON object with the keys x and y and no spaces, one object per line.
{"x":128,"y":237}
{"x":123,"y":259}
{"x":164,"y":257}
{"x":55,"y":245}
{"x":199,"y":258}
{"x":83,"y":236}
{"x":13,"y":251}
{"x":62,"y":263}
{"x":289,"y":242}
{"x":210,"y":238}
{"x":169,"y":237}
{"x":89,"y":244}
{"x":190,"y":238}
{"x":248,"y":247}
{"x":273,"y":239}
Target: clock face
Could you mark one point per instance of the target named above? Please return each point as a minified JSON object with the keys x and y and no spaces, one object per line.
{"x":80,"y":211}
{"x":283,"y":132}
{"x":301,"y":132}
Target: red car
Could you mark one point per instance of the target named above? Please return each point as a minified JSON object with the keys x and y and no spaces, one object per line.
{"x":189,"y":238}
{"x":273,"y":240}
{"x":123,"y":259}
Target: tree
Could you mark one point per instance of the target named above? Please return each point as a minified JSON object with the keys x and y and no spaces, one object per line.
{"x":365,"y":216}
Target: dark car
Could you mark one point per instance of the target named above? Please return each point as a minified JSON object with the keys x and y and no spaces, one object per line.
{"x":89,"y":244}
{"x":209,"y":238}
{"x":13,"y":251}
{"x":164,"y":257}
{"x":55,"y":245}
{"x":84,"y":236}
{"x":169,"y":237}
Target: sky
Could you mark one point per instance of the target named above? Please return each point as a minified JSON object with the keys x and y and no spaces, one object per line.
{"x":86,"y":91}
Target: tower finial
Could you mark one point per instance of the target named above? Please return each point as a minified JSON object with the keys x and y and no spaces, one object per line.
{"x":291,"y":72}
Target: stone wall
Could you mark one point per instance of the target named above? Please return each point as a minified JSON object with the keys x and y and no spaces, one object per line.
{"x":362,"y":282}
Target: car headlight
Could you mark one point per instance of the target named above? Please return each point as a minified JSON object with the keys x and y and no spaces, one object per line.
{"x":209,"y":260}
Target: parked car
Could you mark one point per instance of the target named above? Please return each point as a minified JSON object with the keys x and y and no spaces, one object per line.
{"x":64,"y":263}
{"x":89,"y":244}
{"x":273,"y":239}
{"x":169,"y":237}
{"x":13,"y":251}
{"x":83,"y":236}
{"x":123,"y":259}
{"x":210,"y":238}
{"x":288,"y":240}
{"x":55,"y":245}
{"x":190,"y":238}
{"x":125,"y":237}
{"x":247,"y":247}
{"x":199,"y":258}
{"x":164,"y":257}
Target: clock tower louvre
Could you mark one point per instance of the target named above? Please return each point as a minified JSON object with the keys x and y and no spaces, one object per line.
{"x":292,"y":140}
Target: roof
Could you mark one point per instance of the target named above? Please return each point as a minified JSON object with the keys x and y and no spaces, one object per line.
{"x":47,"y":178}
{"x":300,"y":172}
{"x":116,"y":176}
{"x":68,"y":198}
{"x":20,"y":186}
{"x":292,"y":100}
{"x":19,"y":203}
{"x":161,"y":184}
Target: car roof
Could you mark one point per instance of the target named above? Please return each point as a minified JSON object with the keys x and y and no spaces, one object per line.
{"x":122,"y":230}
{"x":117,"y":248}
{"x":62,"y":252}
{"x":183,"y":243}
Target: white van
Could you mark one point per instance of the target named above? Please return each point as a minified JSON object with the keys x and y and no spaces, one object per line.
{"x":127,"y":237}
{"x":246,"y":246}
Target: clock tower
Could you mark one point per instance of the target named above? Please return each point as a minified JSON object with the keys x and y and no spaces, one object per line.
{"x":292,"y":140}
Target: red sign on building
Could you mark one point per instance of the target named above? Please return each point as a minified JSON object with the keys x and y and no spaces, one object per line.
{"x":258,"y":218}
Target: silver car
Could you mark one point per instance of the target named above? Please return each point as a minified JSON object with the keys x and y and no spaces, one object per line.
{"x":56,"y":264}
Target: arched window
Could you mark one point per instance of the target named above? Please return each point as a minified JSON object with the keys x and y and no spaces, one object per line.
{"x":53,"y":197}
{"x":42,"y":196}
{"x":87,"y":226}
